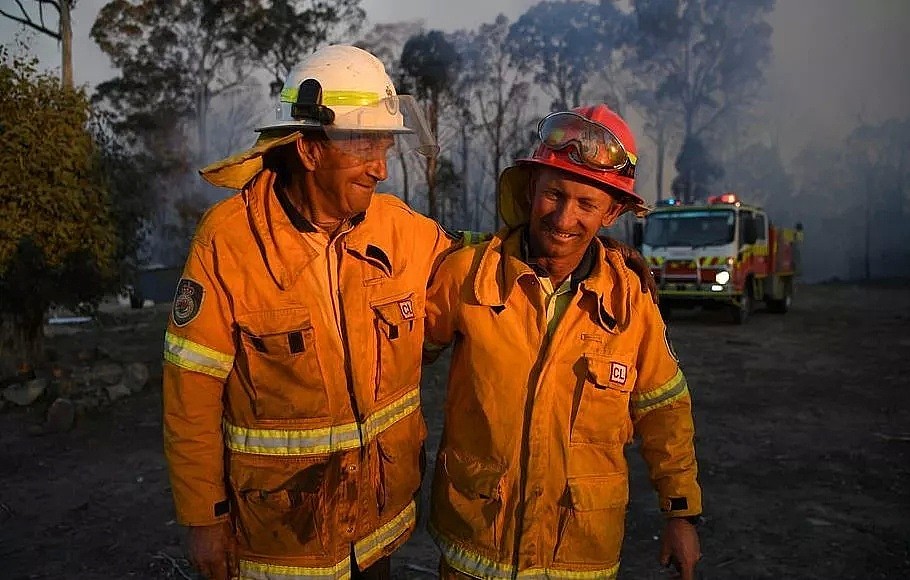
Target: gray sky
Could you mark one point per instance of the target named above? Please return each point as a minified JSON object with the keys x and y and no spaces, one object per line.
{"x":835,"y":61}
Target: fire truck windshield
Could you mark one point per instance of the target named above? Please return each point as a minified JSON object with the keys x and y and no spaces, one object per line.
{"x":689,"y":228}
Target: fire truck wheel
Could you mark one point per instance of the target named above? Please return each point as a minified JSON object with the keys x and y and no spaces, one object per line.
{"x":740,"y":312}
{"x":782,"y":305}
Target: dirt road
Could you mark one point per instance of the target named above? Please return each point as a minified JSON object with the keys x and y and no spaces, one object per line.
{"x":803,"y":438}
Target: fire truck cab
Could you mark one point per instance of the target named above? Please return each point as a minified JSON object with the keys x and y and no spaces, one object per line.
{"x":723,"y":253}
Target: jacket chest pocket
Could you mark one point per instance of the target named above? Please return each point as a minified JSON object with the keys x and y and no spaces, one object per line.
{"x":601,"y":414}
{"x":398,"y":328}
{"x":283,"y":370}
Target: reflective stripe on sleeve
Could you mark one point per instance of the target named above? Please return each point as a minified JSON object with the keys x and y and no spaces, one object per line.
{"x":250,"y":570}
{"x":322,"y":440}
{"x":670,"y":392}
{"x":469,"y":238}
{"x":193,"y":356}
{"x":472,"y":564}
{"x":366,"y":549}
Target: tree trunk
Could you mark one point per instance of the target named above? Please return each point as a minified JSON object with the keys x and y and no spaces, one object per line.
{"x":431,"y":188}
{"x":404,"y":176}
{"x":66,"y":39}
{"x":497,"y":169}
{"x":201,"y":114}
{"x":431,"y":161}
{"x":661,"y":155}
{"x":21,"y":340}
{"x":464,"y":169}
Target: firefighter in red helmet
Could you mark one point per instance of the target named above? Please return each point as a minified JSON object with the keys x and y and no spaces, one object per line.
{"x":558,"y":362}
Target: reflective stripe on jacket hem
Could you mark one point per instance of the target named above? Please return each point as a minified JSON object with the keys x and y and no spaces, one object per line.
{"x":368,"y":548}
{"x":670,"y":392}
{"x":323,"y":440}
{"x":250,"y":570}
{"x":473,"y":564}
{"x":365,"y":550}
{"x":192,"y":356}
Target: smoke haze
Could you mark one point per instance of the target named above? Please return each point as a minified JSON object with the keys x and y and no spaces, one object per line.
{"x":836,"y":65}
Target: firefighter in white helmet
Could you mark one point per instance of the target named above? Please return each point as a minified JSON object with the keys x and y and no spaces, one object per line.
{"x":292,"y":420}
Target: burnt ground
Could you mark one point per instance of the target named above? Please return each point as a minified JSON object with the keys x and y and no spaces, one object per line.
{"x":803,"y":434}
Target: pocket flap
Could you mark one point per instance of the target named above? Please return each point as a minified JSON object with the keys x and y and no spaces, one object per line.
{"x":598,"y":493}
{"x":274,"y":321}
{"x":610,"y":373}
{"x":472,"y":477}
{"x":400,"y":310}
{"x":265,"y":483}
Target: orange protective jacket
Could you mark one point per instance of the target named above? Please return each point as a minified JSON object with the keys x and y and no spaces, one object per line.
{"x":530,"y":476}
{"x":291,"y":376}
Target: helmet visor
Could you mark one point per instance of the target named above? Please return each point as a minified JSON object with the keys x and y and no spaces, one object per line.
{"x":373,"y":129}
{"x":589,"y":143}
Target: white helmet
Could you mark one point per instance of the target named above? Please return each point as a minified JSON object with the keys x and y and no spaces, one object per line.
{"x":342,"y":91}
{"x":342,"y":88}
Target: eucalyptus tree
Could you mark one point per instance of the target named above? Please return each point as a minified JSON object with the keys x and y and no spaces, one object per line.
{"x":430,"y":62}
{"x":706,"y":59}
{"x":62,"y":31}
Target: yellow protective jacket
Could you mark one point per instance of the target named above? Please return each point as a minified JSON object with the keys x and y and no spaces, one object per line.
{"x":530,"y":475}
{"x":291,"y":376}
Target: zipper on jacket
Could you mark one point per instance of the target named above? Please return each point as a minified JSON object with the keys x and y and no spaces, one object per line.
{"x":333,"y":261}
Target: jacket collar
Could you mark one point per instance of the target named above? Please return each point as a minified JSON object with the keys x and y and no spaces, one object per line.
{"x":501,"y":265}
{"x":609,"y":284}
{"x":277,"y":227}
{"x":581,"y":271}
{"x":499,"y":268}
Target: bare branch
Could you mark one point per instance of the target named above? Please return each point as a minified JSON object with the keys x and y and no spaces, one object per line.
{"x":26,"y":18}
{"x":27,"y":21}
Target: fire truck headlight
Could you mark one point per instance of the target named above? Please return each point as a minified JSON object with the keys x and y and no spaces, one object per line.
{"x":722,"y":277}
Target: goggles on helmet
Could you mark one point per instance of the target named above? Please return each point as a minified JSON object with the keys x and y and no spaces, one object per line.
{"x":592,"y":144}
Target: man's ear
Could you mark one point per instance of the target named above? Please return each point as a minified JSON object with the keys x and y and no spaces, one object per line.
{"x":613,"y":213}
{"x":310,"y":153}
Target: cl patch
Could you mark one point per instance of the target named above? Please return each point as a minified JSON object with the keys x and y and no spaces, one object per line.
{"x":407,"y":309}
{"x":188,"y":301}
{"x":618,"y":373}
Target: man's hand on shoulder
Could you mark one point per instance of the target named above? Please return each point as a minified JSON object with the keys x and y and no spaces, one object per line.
{"x":211,"y":551}
{"x":636,"y":262}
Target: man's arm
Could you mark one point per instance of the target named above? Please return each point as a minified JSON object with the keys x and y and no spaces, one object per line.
{"x":198,"y":356}
{"x":662,"y":413}
{"x":441,"y":308}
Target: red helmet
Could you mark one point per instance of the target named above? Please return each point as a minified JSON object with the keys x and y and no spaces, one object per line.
{"x":591,"y":142}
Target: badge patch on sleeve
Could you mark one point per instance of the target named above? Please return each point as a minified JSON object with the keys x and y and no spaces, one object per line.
{"x":669,"y":344}
{"x":187,"y":301}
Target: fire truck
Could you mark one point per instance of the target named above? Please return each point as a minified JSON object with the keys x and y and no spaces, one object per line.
{"x":722,"y":254}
